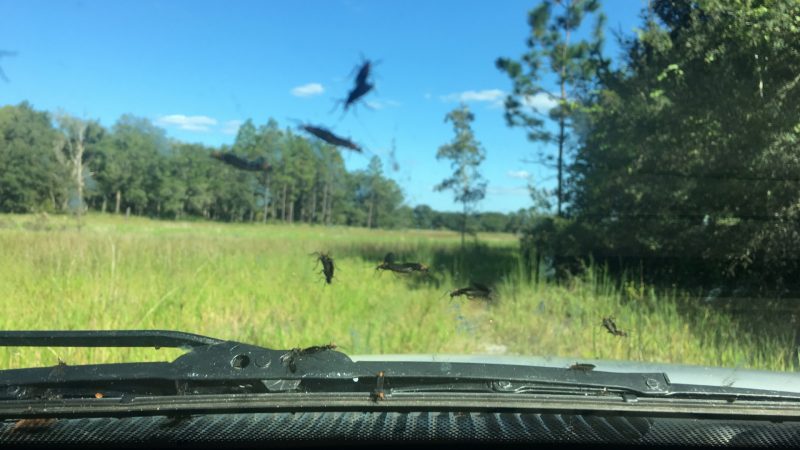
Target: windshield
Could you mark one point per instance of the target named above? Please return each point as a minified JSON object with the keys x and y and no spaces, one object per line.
{"x":582,"y":179}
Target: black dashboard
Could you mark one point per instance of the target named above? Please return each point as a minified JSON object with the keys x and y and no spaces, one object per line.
{"x":378,"y":429}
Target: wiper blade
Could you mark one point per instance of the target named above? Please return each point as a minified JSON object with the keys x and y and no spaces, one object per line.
{"x":214,"y":366}
{"x":112,"y":338}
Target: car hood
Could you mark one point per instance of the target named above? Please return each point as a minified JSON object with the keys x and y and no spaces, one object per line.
{"x":676,"y":373}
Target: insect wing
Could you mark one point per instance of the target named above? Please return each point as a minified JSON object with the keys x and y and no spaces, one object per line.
{"x":582,"y":367}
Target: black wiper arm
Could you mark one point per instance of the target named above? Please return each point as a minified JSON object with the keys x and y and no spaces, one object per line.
{"x":214,"y":366}
{"x":111,"y":338}
{"x":227,"y":362}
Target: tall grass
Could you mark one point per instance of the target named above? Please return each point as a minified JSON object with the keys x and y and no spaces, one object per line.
{"x":259,"y":284}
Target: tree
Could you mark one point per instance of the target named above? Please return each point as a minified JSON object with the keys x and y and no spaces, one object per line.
{"x":690,"y":158}
{"x":31,"y":178}
{"x":128,"y":157}
{"x":336,"y":195}
{"x":492,"y":222}
{"x":551,"y":45}
{"x":246,"y":144}
{"x":465,"y":154}
{"x":423,"y":217}
{"x":74,"y":138}
{"x":268,"y":144}
{"x":194,"y":168}
{"x":135,"y":167}
{"x":383,"y":196}
{"x":401,"y":218}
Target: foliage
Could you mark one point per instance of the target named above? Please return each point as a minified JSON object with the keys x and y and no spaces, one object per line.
{"x":552,"y":49}
{"x":134,"y":167}
{"x":688,"y":157}
{"x":31,"y":175}
{"x":465,"y":154}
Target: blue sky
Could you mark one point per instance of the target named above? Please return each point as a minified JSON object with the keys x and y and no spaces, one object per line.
{"x":199,"y":68}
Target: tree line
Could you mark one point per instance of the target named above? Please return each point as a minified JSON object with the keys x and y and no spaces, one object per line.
{"x":682,"y":157}
{"x":59,"y":163}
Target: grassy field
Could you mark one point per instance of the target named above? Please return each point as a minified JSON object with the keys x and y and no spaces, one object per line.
{"x":258,"y":283}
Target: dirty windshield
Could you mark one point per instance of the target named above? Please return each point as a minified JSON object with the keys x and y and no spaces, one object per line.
{"x":584,"y":179}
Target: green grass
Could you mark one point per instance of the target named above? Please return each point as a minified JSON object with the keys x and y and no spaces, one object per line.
{"x":258,"y":283}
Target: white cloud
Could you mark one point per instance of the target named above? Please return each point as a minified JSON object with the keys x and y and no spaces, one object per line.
{"x":492,"y":96}
{"x":308,"y":90}
{"x":542,"y":102}
{"x":377,"y":104}
{"x":507,"y":190}
{"x":521,"y":174}
{"x":374,"y":104}
{"x":187,"y":123}
{"x":489,"y":95}
{"x":231,"y":126}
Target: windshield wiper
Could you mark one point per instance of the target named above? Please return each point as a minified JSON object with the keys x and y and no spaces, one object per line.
{"x":214,"y":367}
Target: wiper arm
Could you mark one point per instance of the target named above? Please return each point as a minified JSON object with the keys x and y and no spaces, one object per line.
{"x":214,"y":366}
{"x":112,"y":338}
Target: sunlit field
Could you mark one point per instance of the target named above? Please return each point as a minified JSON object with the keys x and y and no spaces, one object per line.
{"x":261,"y":284}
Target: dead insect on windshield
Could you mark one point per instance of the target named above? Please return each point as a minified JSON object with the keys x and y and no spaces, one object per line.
{"x":174,"y":421}
{"x":475,"y":290}
{"x":360,"y":90}
{"x":328,"y":136}
{"x":393,"y":156}
{"x":317,"y":348}
{"x":58,"y":369}
{"x":231,"y":159}
{"x":362,"y":77}
{"x":327,"y":265}
{"x":379,"y":393}
{"x":611,"y":326}
{"x":408,"y":267}
{"x":458,"y":292}
{"x":290,"y":358}
{"x":5,"y":53}
{"x":33,"y":425}
{"x":362,"y":85}
{"x":582,"y":367}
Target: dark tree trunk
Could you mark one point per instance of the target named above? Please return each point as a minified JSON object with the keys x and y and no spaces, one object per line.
{"x":267,"y":199}
{"x":463,"y":225}
{"x":325,"y":203}
{"x":562,"y":119}
{"x":283,"y":208}
{"x":303,"y":217}
{"x":313,"y":214}
{"x":371,"y":208}
{"x":291,"y":210}
{"x":330,"y":211}
{"x":560,"y":193}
